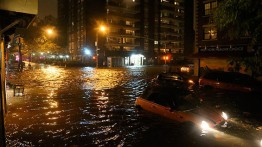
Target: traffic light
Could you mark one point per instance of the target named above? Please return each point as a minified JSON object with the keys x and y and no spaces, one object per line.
{"x":166,"y":57}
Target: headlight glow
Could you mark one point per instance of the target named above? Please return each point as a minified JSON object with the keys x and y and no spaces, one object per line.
{"x":190,"y":81}
{"x":204,"y":125}
{"x":224,"y":115}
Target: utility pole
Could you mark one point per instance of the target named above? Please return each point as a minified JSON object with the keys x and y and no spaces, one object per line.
{"x":3,"y":85}
{"x":3,"y":94}
{"x":20,"y":64}
{"x":97,"y":53}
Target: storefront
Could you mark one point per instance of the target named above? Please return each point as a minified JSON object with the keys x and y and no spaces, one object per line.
{"x":218,"y":58}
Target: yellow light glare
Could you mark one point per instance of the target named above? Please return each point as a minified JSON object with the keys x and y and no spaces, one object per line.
{"x":53,"y":104}
{"x":51,"y":70}
{"x":204,"y":125}
{"x":102,"y":28}
{"x":49,"y":31}
{"x":191,"y":82}
{"x":185,"y":69}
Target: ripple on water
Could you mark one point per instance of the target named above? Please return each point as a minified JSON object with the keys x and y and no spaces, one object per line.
{"x":78,"y":106}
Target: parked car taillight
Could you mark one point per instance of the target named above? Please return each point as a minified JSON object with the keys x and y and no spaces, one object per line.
{"x":199,"y":80}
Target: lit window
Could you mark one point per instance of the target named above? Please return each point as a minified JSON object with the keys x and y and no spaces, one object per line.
{"x":209,"y":7}
{"x":129,"y":32}
{"x":210,"y":33}
{"x":129,"y":23}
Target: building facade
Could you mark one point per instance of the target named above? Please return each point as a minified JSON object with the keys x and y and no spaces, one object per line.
{"x":213,"y":50}
{"x":123,"y":38}
{"x":138,"y":32}
{"x":164,"y":30}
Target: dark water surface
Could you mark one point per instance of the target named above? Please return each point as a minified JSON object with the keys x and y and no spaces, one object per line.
{"x":95,"y":107}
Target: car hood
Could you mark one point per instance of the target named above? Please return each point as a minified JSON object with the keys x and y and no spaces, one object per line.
{"x":208,"y":114}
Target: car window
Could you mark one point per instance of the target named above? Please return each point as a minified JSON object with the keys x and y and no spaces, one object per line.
{"x":187,"y":102}
{"x":225,"y":77}
{"x":169,"y":76}
{"x":211,"y":76}
{"x":243,"y":79}
{"x":175,"y":98}
{"x":163,"y":99}
{"x":237,"y":78}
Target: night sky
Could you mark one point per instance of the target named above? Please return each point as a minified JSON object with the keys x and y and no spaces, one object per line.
{"x":47,"y":7}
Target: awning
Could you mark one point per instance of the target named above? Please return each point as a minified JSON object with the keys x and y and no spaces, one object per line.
{"x":220,"y":55}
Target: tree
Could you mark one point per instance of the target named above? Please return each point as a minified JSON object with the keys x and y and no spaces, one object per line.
{"x":38,"y":40}
{"x":242,"y":18}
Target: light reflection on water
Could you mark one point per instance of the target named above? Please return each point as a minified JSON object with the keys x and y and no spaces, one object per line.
{"x":76,"y":106}
{"x":100,"y":79}
{"x":88,"y":107}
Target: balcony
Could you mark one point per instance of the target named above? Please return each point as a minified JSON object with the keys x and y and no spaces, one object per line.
{"x":119,"y":9}
{"x":170,"y":26}
{"x":122,"y":16}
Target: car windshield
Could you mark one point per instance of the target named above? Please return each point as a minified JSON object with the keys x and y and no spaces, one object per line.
{"x":177,"y":99}
{"x":169,"y":76}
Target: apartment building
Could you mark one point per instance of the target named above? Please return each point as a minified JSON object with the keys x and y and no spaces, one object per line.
{"x":123,"y":38}
{"x":138,"y":32}
{"x":213,"y":49}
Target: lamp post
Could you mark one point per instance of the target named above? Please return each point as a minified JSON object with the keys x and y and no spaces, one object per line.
{"x":101,"y":29}
{"x":49,"y":31}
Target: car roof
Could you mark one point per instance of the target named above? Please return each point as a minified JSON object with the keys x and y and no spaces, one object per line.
{"x":170,"y":90}
{"x":170,"y":76}
{"x":230,"y":77}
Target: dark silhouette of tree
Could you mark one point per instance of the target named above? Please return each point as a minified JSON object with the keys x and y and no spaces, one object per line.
{"x":242,"y":18}
{"x":36,"y":39}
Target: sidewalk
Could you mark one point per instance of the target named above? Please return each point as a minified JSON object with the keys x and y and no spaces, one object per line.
{"x":11,"y":99}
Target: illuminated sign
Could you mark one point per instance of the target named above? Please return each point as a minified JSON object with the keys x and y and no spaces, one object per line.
{"x":222,"y":49}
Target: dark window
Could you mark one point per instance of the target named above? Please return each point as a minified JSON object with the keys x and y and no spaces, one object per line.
{"x":211,"y":76}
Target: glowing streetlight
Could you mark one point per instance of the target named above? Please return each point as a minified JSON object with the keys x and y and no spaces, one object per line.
{"x":49,"y":31}
{"x":87,"y":51}
{"x":100,"y":29}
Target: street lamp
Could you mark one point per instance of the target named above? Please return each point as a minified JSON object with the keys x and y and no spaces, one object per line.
{"x":49,"y":31}
{"x":100,"y":29}
{"x":86,"y":55}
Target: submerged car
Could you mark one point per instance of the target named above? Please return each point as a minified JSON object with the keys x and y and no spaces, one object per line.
{"x":230,"y":81}
{"x":179,"y":105}
{"x":174,"y":79}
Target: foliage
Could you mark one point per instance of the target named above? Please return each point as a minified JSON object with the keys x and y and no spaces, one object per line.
{"x":37,"y":40}
{"x":242,"y":18}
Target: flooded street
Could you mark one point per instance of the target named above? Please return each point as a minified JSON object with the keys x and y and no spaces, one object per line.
{"x":95,"y":107}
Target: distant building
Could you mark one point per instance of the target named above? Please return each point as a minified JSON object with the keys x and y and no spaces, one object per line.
{"x":213,"y":49}
{"x":163,"y":30}
{"x":138,"y":32}
{"x":62,"y":16}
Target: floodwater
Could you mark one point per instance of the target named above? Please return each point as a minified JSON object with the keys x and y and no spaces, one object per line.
{"x":95,"y":107}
